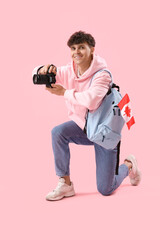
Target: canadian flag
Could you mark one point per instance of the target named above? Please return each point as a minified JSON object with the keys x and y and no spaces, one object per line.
{"x":126,"y":111}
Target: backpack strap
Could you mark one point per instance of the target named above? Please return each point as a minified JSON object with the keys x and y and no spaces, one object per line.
{"x":90,"y":85}
{"x":113,"y":85}
{"x":98,"y":72}
{"x":118,"y":154}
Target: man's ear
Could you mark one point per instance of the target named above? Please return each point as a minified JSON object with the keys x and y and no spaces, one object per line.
{"x":92,"y":50}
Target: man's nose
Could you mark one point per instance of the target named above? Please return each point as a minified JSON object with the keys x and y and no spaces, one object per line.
{"x":77,"y":50}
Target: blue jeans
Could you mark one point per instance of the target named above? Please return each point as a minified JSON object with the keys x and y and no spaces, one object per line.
{"x":70,"y":132}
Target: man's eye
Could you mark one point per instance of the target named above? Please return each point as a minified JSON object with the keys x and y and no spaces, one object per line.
{"x":81,"y":47}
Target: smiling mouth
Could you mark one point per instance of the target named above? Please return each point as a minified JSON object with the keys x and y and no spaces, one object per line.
{"x":78,"y":57}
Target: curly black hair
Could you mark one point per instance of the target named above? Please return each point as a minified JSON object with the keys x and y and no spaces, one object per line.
{"x":81,"y":37}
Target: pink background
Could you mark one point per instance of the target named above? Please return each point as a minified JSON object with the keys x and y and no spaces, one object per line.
{"x":34,"y":33}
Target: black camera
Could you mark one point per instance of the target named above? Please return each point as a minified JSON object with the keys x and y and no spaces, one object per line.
{"x":46,"y":79}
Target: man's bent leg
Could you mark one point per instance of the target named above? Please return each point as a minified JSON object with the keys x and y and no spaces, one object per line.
{"x":62,"y":135}
{"x":106,"y":161}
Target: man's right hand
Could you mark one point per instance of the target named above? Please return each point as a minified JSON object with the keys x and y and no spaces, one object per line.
{"x":44,"y":69}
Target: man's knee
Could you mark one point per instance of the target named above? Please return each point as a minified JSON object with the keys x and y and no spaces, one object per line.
{"x":55,"y":131}
{"x":59,"y":132}
{"x":104,"y":190}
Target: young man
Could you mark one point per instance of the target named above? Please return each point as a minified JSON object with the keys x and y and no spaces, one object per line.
{"x":72,"y":82}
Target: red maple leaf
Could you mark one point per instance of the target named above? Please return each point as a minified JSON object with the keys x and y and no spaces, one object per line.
{"x":127,"y":111}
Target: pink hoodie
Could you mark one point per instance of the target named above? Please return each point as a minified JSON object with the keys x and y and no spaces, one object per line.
{"x":79,"y":97}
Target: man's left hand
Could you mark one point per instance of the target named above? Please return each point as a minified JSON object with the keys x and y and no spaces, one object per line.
{"x":57,"y":89}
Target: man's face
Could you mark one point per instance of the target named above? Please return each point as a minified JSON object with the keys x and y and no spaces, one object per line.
{"x":81,"y":53}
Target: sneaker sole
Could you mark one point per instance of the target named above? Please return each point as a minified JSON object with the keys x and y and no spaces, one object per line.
{"x":70,"y":194}
{"x":134,"y":182}
{"x":139,"y":175}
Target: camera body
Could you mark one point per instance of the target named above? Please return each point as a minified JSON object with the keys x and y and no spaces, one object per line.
{"x":46,"y":79}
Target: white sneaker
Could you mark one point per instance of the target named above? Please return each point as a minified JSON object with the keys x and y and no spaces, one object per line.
{"x":134,"y":174}
{"x":62,"y":190}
